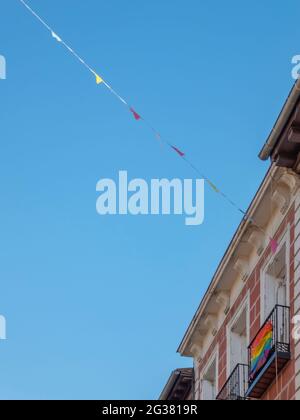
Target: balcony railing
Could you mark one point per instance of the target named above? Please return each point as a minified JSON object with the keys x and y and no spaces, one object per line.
{"x":236,"y":386}
{"x":269,"y":351}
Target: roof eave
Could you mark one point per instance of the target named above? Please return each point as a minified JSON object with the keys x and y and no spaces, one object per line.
{"x":281,"y":122}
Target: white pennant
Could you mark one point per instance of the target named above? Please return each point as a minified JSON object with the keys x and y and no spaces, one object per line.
{"x":58,"y":39}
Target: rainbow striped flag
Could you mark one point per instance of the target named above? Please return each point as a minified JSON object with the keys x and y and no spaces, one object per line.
{"x":261,"y":349}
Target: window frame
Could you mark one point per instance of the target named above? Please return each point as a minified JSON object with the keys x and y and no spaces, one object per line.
{"x":214,"y":358}
{"x":245,"y":304}
{"x":285,"y":240}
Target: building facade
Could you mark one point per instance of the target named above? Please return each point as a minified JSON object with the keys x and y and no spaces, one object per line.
{"x":241,"y":337}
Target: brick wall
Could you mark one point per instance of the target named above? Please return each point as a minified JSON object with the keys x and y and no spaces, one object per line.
{"x":296,"y":303}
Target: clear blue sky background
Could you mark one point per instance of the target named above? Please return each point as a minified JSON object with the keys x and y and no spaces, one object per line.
{"x":96,"y":307}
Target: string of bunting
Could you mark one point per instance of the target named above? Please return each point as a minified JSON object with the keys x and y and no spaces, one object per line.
{"x":99,"y":80}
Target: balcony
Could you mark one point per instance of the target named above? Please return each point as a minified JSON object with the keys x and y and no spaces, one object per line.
{"x":236,"y":386}
{"x":269,"y":352}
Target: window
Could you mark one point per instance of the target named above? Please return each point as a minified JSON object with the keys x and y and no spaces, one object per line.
{"x":210,"y":380}
{"x":275,"y":282}
{"x":238,"y":338}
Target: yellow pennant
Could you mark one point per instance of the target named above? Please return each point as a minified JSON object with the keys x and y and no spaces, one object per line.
{"x":213,"y":187}
{"x":99,"y":79}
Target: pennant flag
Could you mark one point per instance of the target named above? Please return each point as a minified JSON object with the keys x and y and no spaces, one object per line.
{"x":135,"y":114}
{"x":179,"y":152}
{"x":213,"y":186}
{"x":274,"y":245}
{"x":56,"y":37}
{"x":99,"y":79}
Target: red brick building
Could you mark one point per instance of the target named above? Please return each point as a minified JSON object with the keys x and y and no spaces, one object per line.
{"x":241,"y":337}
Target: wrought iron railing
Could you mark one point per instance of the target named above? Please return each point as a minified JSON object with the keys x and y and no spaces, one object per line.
{"x":236,"y":386}
{"x":273,"y":337}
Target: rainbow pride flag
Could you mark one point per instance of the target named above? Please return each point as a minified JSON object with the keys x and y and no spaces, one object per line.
{"x":261,"y":349}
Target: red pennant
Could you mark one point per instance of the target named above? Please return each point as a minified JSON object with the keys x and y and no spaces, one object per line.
{"x":181,"y":154}
{"x":274,"y":245}
{"x":135,"y":114}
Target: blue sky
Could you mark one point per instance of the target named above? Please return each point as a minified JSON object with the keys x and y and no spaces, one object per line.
{"x":96,"y":306}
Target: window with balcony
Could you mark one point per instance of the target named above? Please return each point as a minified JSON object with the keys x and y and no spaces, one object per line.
{"x":269,"y":351}
{"x":237,"y":357}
